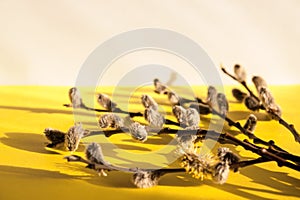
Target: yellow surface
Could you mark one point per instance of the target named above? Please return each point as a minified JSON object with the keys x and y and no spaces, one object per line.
{"x":28,"y":170}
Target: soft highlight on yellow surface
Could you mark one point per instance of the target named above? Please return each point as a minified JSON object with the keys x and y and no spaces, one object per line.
{"x":29,"y":170}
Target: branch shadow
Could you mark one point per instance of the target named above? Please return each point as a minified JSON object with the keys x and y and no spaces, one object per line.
{"x":31,"y":142}
{"x":279,"y":183}
{"x":243,"y":115}
{"x":284,"y":184}
{"x":47,"y":110}
{"x":274,"y":180}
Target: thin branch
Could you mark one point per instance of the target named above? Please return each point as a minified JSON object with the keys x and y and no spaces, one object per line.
{"x":285,"y":155}
{"x":249,"y":134}
{"x":246,"y":163}
{"x":210,"y":134}
{"x":290,"y":127}
{"x":281,"y":121}
{"x":262,"y":152}
{"x":243,"y":83}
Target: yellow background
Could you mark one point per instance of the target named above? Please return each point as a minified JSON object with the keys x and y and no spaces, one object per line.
{"x":28,"y":170}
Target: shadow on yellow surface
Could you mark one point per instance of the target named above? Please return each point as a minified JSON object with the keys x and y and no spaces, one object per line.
{"x":28,"y":170}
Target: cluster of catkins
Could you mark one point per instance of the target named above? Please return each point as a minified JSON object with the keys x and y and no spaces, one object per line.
{"x":199,"y":166}
{"x":70,"y":140}
{"x":265,"y":101}
{"x":202,"y":166}
{"x":188,"y":118}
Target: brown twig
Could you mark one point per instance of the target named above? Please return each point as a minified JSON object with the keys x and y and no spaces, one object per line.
{"x":249,"y":134}
{"x":290,"y":127}
{"x":243,"y":83}
{"x":246,"y":163}
{"x":281,"y":121}
{"x":262,"y":152}
{"x":210,"y":134}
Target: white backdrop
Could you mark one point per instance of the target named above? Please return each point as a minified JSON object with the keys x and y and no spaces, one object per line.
{"x":46,"y":42}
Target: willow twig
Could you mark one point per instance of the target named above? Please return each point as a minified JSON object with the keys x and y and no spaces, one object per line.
{"x":249,"y":134}
{"x":246,"y":163}
{"x":210,"y":134}
{"x":243,"y":83}
{"x":281,"y":121}
{"x":262,"y":152}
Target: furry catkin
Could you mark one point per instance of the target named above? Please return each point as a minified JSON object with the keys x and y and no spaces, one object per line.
{"x":106,"y":102}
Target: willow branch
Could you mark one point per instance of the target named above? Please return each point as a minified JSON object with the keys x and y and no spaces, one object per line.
{"x":243,"y":83}
{"x":246,"y":163}
{"x":290,"y":127}
{"x":223,"y":138}
{"x":237,"y":125}
{"x":281,"y":121}
{"x":263,"y":152}
{"x":249,"y":134}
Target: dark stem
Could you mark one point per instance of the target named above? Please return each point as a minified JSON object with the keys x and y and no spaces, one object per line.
{"x":246,"y":163}
{"x":243,"y":83}
{"x":290,"y":127}
{"x":210,"y":134}
{"x":262,"y":152}
{"x":249,"y":134}
{"x":285,"y":155}
{"x":220,"y":137}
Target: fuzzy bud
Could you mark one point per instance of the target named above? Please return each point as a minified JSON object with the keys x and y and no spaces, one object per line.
{"x":54,"y":136}
{"x":155,"y":119}
{"x":252,"y":103}
{"x":240,"y":73}
{"x":181,"y":115}
{"x":146,"y":179}
{"x":94,"y":154}
{"x":226,"y":155}
{"x":212,"y":96}
{"x":106,"y":102}
{"x":193,"y":117}
{"x":111,"y":120}
{"x":138,"y":131}
{"x":239,"y":95}
{"x":73,"y":137}
{"x":159,"y":87}
{"x":222,"y":104}
{"x":173,"y":98}
{"x":75,"y":97}
{"x":259,"y":82}
{"x":199,"y":166}
{"x":148,"y":102}
{"x":251,"y":122}
{"x":221,"y":172}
